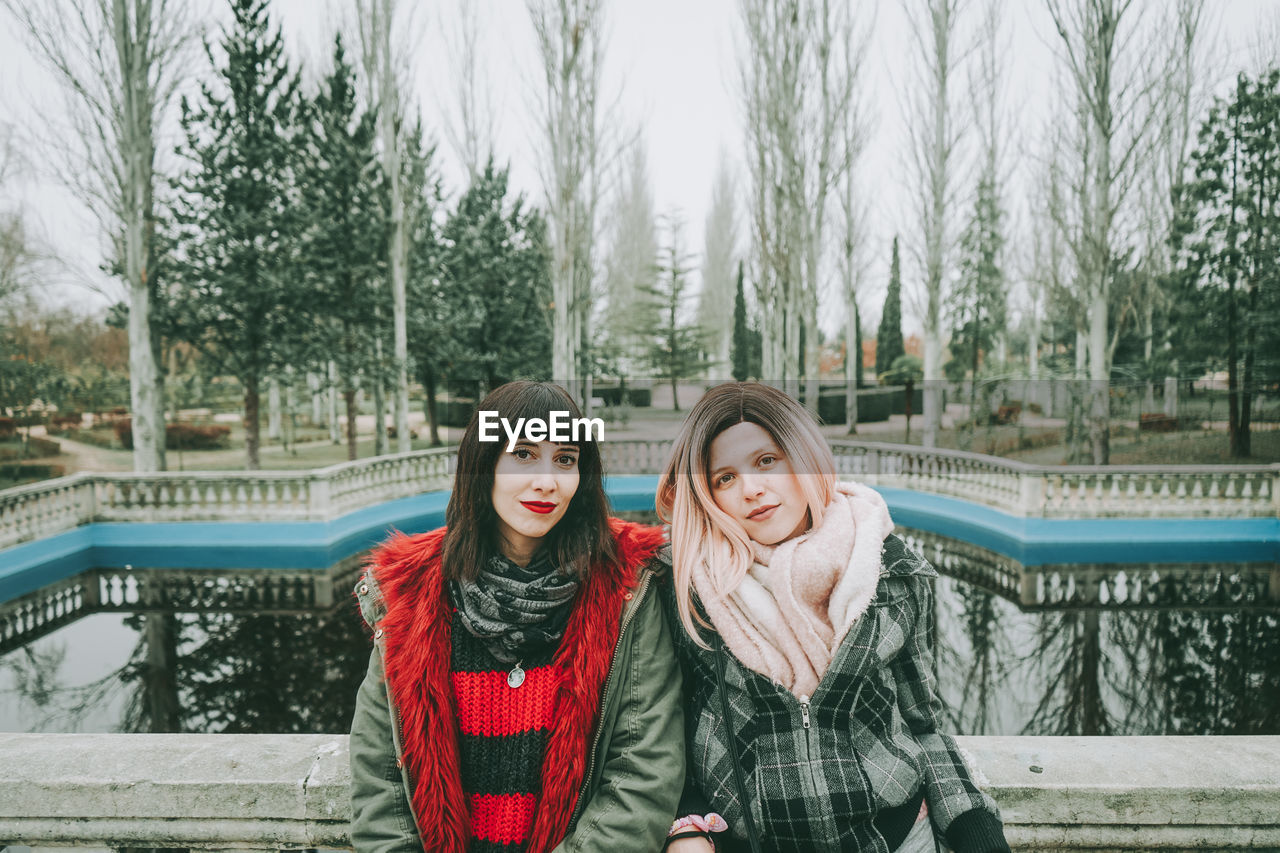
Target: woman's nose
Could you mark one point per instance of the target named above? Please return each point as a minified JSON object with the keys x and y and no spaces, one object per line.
{"x":544,"y":479}
{"x":752,"y":485}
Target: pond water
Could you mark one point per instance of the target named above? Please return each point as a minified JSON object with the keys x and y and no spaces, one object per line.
{"x":1000,"y":670}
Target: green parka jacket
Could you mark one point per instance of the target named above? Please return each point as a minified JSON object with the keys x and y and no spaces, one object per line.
{"x":615,"y":761}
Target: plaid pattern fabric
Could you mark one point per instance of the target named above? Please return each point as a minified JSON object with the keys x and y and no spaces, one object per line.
{"x":873,"y":738}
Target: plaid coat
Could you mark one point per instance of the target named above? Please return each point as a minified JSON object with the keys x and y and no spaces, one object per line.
{"x":872,"y":740}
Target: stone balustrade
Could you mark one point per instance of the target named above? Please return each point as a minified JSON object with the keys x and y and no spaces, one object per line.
{"x":28,"y":513}
{"x":267,"y":792}
{"x":1069,"y":491}
{"x":43,"y":509}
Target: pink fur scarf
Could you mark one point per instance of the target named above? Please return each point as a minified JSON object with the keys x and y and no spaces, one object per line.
{"x":800,"y":598}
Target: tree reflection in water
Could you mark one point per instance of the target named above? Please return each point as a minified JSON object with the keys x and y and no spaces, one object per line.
{"x":270,"y":673}
{"x":1219,"y":673}
{"x":1001,"y":671}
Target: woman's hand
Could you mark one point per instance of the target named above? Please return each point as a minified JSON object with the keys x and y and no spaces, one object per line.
{"x":692,"y":844}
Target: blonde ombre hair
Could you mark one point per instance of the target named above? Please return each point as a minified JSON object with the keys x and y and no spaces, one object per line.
{"x":701,"y":532}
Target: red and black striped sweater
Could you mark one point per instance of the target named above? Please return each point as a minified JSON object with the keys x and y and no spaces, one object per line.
{"x":503,"y":734}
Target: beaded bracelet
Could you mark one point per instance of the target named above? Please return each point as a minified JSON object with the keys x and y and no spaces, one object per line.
{"x":711,"y":822}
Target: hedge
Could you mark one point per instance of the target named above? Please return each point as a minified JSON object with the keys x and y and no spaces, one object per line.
{"x":181,"y":436}
{"x":612,"y":395}
{"x":874,"y":404}
{"x":25,"y":473}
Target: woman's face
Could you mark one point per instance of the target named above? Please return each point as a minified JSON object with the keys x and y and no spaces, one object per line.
{"x":754,"y":483}
{"x":532,"y":487}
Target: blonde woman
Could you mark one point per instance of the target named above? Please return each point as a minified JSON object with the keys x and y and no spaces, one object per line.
{"x":805,"y":646}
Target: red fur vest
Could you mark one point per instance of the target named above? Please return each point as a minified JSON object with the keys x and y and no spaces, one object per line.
{"x":416,"y":637}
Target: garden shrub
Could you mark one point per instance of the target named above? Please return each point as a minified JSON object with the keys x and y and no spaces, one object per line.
{"x":180,"y":436}
{"x":65,"y":423}
{"x":18,"y":473}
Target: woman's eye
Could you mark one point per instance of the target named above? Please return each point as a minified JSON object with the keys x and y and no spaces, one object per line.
{"x":568,"y":460}
{"x":724,"y":480}
{"x":522,"y":453}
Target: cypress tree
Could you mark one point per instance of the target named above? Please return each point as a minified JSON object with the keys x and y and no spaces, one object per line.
{"x":741,"y":343}
{"x":889,"y":336}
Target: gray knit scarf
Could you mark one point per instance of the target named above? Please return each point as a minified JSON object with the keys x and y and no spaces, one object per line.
{"x":516,"y":611}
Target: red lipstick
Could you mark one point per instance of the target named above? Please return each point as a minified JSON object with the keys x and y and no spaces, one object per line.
{"x":540,"y":507}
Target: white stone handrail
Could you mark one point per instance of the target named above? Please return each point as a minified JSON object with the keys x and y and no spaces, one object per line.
{"x":43,"y":509}
{"x":39,"y":510}
{"x":272,"y":791}
{"x":1069,"y":491}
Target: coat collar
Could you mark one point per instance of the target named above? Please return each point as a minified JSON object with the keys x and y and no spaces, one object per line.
{"x":409,"y":605}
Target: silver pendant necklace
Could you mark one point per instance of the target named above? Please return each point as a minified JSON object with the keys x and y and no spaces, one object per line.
{"x":516,"y":676}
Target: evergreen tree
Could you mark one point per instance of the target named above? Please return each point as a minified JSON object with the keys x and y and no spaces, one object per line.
{"x":859,"y":368}
{"x":889,"y":344}
{"x":344,"y":251}
{"x":741,"y":333}
{"x":676,"y":348}
{"x":236,"y":217}
{"x":1229,"y":237}
{"x":495,"y":271}
{"x":977,"y":302}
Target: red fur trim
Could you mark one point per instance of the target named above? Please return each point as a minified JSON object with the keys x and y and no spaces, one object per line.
{"x":417,"y":650}
{"x":417,"y":665}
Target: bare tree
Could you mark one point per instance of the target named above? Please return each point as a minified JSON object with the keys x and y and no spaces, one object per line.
{"x":854,"y":216}
{"x":935,"y":138}
{"x":385,"y":73}
{"x":570,"y":36}
{"x":118,"y":63}
{"x":719,"y":269}
{"x":631,"y":266}
{"x":796,"y":94}
{"x":1264,"y":52}
{"x":1114,"y":74}
{"x":1179,"y":95}
{"x":472,"y":130}
{"x":20,"y":253}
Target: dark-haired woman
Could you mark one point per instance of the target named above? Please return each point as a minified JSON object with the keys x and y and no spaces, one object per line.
{"x":522,"y":693}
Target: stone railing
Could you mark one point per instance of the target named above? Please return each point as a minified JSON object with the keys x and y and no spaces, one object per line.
{"x":268,"y":792}
{"x":39,"y":510}
{"x":44,"y":509}
{"x":1069,"y":491}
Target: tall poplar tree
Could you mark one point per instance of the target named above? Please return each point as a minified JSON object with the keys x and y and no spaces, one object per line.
{"x":236,"y":216}
{"x":889,"y":336}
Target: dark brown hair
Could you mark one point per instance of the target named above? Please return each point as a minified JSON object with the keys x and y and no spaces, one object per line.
{"x":580,"y":540}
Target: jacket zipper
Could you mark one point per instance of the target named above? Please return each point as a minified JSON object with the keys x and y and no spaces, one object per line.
{"x":805,"y":722}
{"x":396,"y":741}
{"x":604,"y":697}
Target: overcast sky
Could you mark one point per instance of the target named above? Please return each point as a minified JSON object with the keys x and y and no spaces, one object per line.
{"x":671,"y":66}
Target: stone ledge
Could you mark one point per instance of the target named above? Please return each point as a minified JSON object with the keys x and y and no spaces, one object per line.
{"x":268,"y":791}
